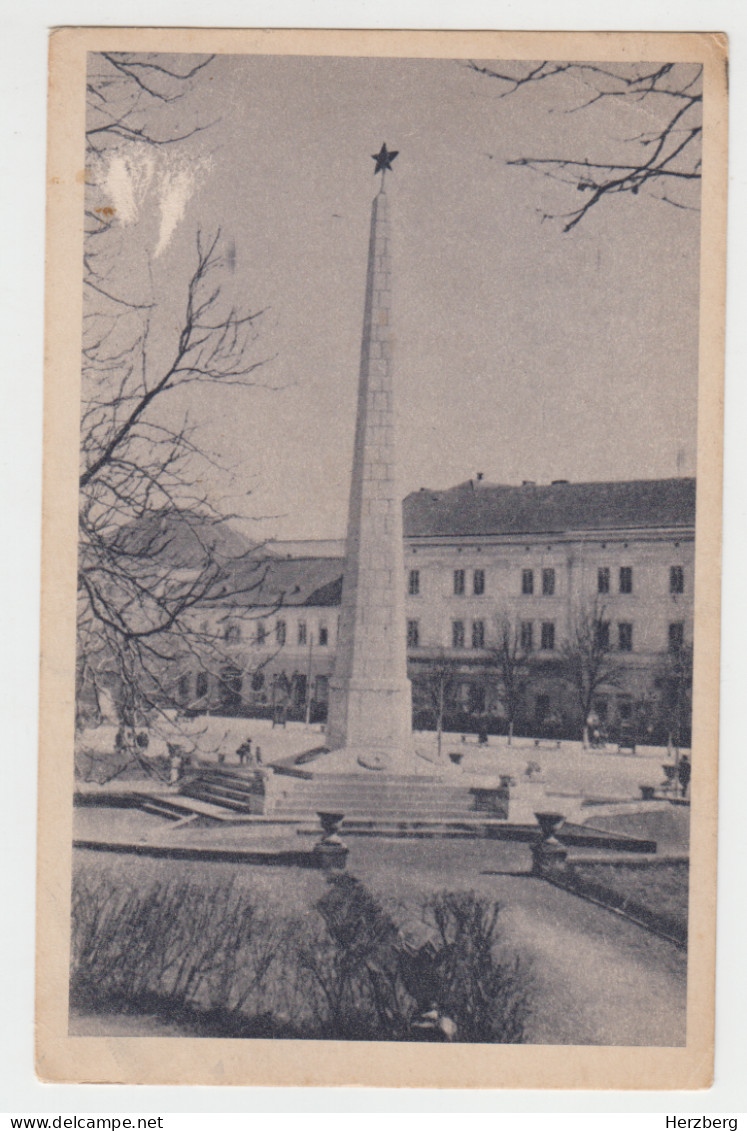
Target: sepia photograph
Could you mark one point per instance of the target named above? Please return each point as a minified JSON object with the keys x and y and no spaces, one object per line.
{"x":379,"y":694}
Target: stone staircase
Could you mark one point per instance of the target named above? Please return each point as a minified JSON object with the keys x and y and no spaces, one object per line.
{"x":386,"y":798}
{"x":237,"y":793}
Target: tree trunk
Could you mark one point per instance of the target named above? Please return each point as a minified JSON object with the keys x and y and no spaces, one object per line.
{"x":440,"y":719}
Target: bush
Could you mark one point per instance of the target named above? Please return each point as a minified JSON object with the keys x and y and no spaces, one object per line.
{"x":208,"y":958}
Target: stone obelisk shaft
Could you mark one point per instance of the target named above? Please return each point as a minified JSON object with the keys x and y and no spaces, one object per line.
{"x":370,"y":711}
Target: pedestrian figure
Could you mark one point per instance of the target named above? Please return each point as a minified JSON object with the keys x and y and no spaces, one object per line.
{"x":244,"y":751}
{"x":594,"y":730}
{"x":258,"y":755}
{"x":683,"y":773}
{"x":175,"y":767}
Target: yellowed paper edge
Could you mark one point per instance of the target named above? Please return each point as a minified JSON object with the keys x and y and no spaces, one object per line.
{"x":206,"y":1061}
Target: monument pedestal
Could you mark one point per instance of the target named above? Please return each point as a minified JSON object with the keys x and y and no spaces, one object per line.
{"x":372,"y":722}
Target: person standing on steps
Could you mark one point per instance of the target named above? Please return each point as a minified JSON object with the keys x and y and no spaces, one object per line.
{"x":683,"y":773}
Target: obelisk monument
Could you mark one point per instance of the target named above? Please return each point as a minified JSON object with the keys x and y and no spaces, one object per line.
{"x":370,"y":701}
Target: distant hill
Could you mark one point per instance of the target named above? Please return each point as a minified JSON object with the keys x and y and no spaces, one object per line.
{"x":182,"y":538}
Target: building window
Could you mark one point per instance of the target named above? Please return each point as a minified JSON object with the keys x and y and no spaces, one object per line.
{"x":413,"y":583}
{"x":457,"y":634}
{"x":603,"y":579}
{"x":625,"y":637}
{"x":323,"y":636}
{"x":302,"y":632}
{"x":280,"y":633}
{"x":548,"y":636}
{"x":676,"y":579}
{"x":183,"y":687}
{"x":201,"y":685}
{"x":458,"y":582}
{"x":413,"y":634}
{"x":478,"y":582}
{"x":261,"y":632}
{"x":626,"y":579}
{"x":527,"y":582}
{"x":232,"y":634}
{"x":548,"y":582}
{"x":602,"y":633}
{"x":231,"y":682}
{"x":478,"y":633}
{"x":526,"y":636}
{"x":676,"y":636}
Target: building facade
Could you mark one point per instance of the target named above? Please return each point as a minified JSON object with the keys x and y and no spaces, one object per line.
{"x":585,"y":590}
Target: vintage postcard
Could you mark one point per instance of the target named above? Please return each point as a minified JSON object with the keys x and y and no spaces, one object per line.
{"x":382,"y":527}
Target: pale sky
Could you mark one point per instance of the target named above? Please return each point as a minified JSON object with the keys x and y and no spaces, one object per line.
{"x":521,"y":352}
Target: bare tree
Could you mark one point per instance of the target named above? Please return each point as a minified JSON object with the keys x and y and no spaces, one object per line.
{"x":511,"y":656}
{"x":676,"y":680}
{"x":439,"y":684}
{"x":588,"y":662}
{"x":663,"y":159}
{"x":154,"y":552}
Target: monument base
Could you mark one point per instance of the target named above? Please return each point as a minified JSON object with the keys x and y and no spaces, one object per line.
{"x":370,"y":760}
{"x":372,"y":722}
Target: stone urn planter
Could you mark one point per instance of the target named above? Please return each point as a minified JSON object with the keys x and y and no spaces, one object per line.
{"x":456,"y":758}
{"x":548,"y":852}
{"x":330,"y":823}
{"x":670,"y":776}
{"x":647,"y":792}
{"x":331,"y":850}
{"x":549,"y":824}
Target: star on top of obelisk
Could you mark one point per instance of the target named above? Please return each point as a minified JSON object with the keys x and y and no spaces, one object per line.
{"x":383,"y":161}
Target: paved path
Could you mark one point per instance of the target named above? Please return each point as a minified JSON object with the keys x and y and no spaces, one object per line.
{"x":599,"y":978}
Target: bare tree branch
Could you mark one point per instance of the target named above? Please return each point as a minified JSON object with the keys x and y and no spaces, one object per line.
{"x":156,"y":559}
{"x":668,"y":152}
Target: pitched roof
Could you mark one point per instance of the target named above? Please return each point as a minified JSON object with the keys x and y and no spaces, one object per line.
{"x":479,"y":508}
{"x":283,"y":582}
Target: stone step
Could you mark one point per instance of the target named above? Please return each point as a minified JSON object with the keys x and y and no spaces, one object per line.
{"x":465,"y":796}
{"x":157,"y":810}
{"x":196,"y":807}
{"x":395,"y":808}
{"x":220,"y":789}
{"x":161,"y":806}
{"x":205,"y":794}
{"x":215,"y":773}
{"x":391,"y":814}
{"x":379,"y":778}
{"x":385,"y":796}
{"x":467,"y":801}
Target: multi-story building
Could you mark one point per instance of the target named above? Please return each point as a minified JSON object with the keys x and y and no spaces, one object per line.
{"x":558,"y":574}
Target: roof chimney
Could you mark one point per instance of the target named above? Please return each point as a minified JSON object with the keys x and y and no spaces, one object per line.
{"x":528,"y":483}
{"x":479,"y":476}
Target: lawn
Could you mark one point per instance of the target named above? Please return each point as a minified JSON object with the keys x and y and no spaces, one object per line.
{"x":662,"y":888}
